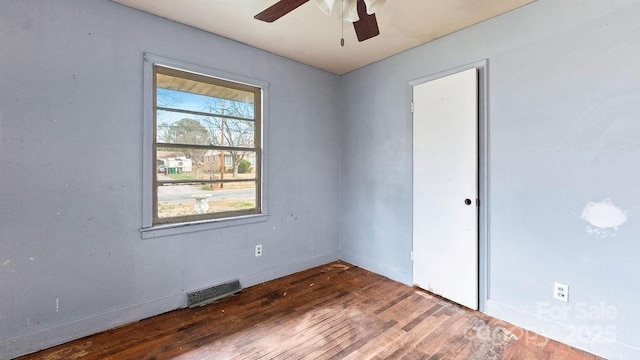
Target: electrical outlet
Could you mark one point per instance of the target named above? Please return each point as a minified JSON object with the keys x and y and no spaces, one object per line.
{"x":259,"y":250}
{"x":561,"y":292}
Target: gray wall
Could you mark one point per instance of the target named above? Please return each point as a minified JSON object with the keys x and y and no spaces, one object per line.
{"x":70,"y":178}
{"x":564,"y":131}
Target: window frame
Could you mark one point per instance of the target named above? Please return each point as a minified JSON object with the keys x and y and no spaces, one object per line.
{"x":152,"y":228}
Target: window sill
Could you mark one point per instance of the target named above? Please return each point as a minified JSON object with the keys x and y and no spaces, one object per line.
{"x":196,"y":226}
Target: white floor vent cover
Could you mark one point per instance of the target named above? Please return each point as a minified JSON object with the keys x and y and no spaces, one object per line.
{"x":213,"y":293}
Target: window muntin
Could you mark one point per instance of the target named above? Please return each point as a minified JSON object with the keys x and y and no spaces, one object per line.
{"x":206,"y":147}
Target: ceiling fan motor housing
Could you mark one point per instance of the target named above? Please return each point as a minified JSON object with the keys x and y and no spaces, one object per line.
{"x":360,"y":12}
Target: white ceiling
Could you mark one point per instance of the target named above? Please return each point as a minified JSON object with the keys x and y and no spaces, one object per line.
{"x":311,"y":37}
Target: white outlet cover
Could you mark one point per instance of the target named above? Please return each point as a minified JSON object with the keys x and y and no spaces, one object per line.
{"x":561,"y":292}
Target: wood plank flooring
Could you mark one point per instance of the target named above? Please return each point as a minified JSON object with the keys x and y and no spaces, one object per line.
{"x":336,"y":311}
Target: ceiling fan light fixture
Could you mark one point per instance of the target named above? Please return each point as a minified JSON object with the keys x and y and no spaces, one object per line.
{"x":326,"y":5}
{"x":350,"y":10}
{"x":373,"y":5}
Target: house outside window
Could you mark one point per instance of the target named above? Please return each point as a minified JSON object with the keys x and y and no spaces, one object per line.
{"x":206,"y":147}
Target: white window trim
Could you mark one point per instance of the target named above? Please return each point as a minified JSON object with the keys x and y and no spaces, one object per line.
{"x":148,"y":230}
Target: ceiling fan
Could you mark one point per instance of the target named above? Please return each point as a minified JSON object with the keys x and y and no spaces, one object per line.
{"x":360,"y":12}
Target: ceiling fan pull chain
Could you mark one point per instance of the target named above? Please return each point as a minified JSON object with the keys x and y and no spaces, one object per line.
{"x":342,"y":22}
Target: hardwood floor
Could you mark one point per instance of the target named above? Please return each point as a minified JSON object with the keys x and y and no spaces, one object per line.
{"x":336,"y":311}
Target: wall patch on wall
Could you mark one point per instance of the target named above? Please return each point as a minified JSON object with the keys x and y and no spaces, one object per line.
{"x":603,"y":217}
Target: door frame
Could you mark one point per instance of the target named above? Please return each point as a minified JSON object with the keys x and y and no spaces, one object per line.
{"x":483,"y":167}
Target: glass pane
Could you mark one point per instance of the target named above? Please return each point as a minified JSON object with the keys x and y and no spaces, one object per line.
{"x":238,"y":133}
{"x":185,"y":94}
{"x":180,"y":164}
{"x":237,"y":164}
{"x":196,"y":199}
{"x":200,"y":164}
{"x":179,"y":128}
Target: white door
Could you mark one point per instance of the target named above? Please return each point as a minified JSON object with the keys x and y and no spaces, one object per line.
{"x":445,"y":187}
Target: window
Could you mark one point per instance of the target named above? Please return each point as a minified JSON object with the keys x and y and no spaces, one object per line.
{"x":205,"y":137}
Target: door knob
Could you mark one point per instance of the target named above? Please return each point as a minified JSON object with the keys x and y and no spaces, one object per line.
{"x":467,"y":201}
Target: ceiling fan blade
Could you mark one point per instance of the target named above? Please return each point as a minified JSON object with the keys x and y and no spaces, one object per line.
{"x":367,"y":26}
{"x":279,"y":9}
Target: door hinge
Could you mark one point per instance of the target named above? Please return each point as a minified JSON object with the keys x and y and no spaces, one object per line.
{"x":413,"y":106}
{"x":478,"y":202}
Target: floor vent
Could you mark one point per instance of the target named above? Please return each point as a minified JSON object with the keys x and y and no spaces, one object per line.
{"x":213,"y":293}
